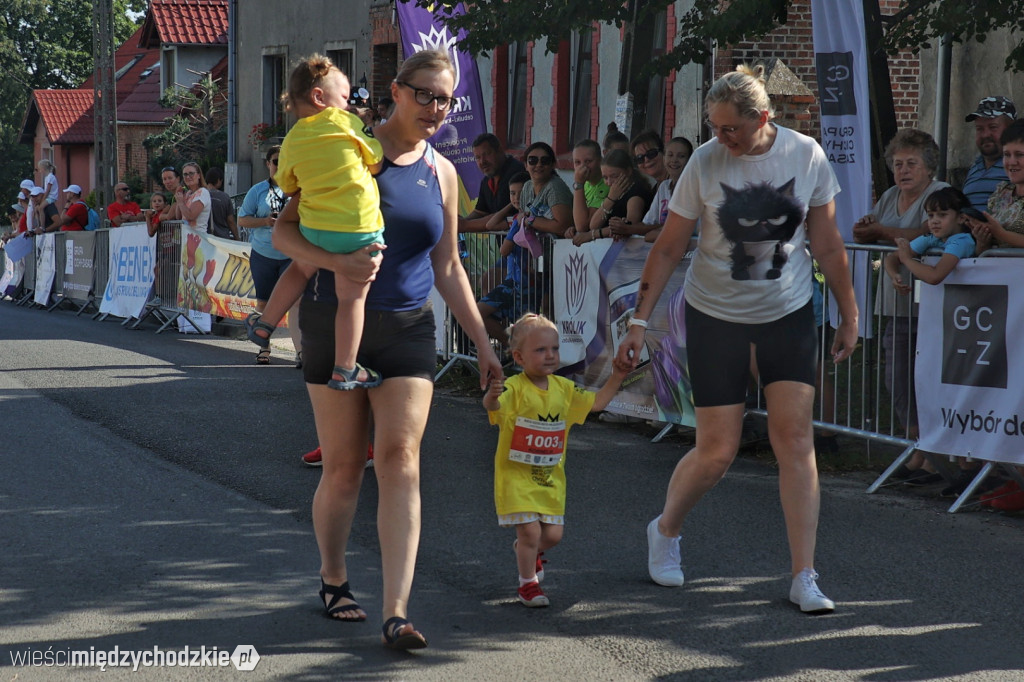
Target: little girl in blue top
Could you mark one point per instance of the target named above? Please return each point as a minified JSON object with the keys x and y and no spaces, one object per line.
{"x":949,"y":231}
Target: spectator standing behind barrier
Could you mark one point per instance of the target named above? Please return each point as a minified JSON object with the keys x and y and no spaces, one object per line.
{"x":48,"y":181}
{"x":46,"y":216}
{"x":629,"y":197}
{"x":507,"y":301}
{"x":171,"y":179}
{"x":194,"y":198}
{"x":615,"y":140}
{"x":677,"y":153}
{"x":123,"y":210}
{"x":913,"y":156}
{"x":528,"y":496}
{"x":649,"y":156}
{"x":260,"y":208}
{"x":588,"y":187}
{"x":1004,"y":224}
{"x":18,"y":225}
{"x":76,"y":213}
{"x":222,"y":212}
{"x":991,"y":118}
{"x":737,"y":185}
{"x":497,"y":167}
{"x":546,"y":199}
{"x":419,"y":200}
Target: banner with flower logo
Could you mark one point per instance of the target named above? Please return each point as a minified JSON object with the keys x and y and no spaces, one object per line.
{"x":214,"y":276}
{"x":595,"y":287}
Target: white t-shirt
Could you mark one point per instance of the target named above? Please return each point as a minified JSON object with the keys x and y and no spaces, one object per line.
{"x":758,"y":277}
{"x":658,"y":211}
{"x":51,"y":183}
{"x":202,"y":195}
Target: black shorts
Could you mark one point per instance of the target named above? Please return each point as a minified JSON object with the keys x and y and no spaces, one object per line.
{"x":718,"y":354}
{"x":396,"y":344}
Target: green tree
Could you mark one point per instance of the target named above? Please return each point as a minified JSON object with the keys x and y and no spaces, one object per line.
{"x":44,"y":44}
{"x":198,"y":132}
{"x":498,"y":22}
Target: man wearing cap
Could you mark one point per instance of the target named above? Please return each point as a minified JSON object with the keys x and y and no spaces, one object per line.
{"x":123,"y":209}
{"x":76,"y":215}
{"x":991,"y":118}
{"x":45,"y":217}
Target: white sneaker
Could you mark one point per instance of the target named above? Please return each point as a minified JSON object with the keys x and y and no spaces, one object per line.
{"x":663,"y":561}
{"x":807,"y":596}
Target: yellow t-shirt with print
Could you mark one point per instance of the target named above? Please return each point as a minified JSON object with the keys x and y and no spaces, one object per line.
{"x":327,"y":156}
{"x":533,"y":433}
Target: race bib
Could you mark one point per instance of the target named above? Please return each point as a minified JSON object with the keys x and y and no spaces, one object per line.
{"x":537,"y":443}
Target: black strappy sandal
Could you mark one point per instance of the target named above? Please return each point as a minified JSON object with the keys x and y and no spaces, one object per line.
{"x":337,"y":592}
{"x":393,"y":639}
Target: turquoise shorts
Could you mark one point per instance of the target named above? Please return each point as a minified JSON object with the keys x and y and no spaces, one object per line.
{"x":341,"y":242}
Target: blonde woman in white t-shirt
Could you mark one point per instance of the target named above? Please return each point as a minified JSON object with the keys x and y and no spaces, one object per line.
{"x":759,"y":191}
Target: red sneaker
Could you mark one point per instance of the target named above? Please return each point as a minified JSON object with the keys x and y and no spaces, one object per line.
{"x":313,"y":458}
{"x":1011,"y":502}
{"x":531,"y":595}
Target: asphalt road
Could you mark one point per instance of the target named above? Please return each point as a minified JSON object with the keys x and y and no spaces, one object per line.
{"x":151,"y":495}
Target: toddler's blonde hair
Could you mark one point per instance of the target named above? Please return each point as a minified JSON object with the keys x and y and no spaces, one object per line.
{"x":518,"y":332}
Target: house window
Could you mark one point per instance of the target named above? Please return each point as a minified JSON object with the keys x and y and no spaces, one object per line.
{"x":343,"y":54}
{"x":168,"y":68}
{"x":581,"y":71}
{"x":517,"y":95}
{"x":275,"y":79}
{"x":644,"y":41}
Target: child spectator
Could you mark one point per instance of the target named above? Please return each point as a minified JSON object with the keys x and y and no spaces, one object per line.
{"x":157,"y":204}
{"x":328,"y":157}
{"x":534,"y":412}
{"x":629,"y":197}
{"x":50,"y":189}
{"x":677,"y":153}
{"x":949,"y":231}
{"x":507,"y":301}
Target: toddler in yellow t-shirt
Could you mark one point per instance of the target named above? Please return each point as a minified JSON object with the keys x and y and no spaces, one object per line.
{"x":328,"y":159}
{"x":534,"y":412}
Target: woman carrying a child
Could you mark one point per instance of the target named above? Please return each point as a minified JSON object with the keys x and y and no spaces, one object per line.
{"x":419,"y":197}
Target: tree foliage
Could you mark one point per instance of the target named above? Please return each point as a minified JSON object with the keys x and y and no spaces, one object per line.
{"x":198,"y":132}
{"x":44,"y":44}
{"x":491,"y":23}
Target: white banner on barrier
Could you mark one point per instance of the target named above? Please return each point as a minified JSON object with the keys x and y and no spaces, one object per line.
{"x":595,"y":287}
{"x":840,"y":55}
{"x":132,"y":257}
{"x":46,"y":265}
{"x":968,"y":381}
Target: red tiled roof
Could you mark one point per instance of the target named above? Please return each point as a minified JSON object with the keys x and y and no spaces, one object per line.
{"x":143,"y":104}
{"x":187,"y":22}
{"x":67,"y":115}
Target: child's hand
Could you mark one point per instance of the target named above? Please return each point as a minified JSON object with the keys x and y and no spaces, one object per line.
{"x":903,"y":249}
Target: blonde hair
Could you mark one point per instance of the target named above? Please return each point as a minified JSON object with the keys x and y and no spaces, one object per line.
{"x":518,"y":332}
{"x":744,"y":88}
{"x":425,"y":60}
{"x":308,"y":73}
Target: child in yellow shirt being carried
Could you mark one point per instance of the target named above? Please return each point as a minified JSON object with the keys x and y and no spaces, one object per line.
{"x":329,"y":159}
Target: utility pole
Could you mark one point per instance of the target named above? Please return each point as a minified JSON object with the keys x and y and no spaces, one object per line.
{"x":104,"y":103}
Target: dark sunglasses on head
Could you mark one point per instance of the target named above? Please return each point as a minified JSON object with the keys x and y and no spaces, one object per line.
{"x":646,"y":156}
{"x":168,"y":168}
{"x":542,"y":160}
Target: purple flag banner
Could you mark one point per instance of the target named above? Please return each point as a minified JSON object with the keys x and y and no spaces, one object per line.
{"x":421,"y":31}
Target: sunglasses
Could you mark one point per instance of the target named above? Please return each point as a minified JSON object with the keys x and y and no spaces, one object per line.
{"x":648,"y":155}
{"x":425,"y":97}
{"x":168,"y":168}
{"x":273,"y":161}
{"x":542,"y":160}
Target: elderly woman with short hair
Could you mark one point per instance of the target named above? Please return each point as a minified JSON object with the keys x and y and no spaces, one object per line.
{"x":913,"y":156}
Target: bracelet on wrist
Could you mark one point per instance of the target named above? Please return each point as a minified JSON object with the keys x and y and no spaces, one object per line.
{"x":637,"y":322}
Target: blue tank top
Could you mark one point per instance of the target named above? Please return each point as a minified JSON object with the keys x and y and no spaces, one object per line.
{"x":410,"y":200}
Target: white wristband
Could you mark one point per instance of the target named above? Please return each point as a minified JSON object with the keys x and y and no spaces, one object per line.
{"x":636,"y":322}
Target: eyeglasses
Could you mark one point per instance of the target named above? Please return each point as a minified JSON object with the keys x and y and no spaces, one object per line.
{"x":425,"y":97}
{"x":648,"y":155}
{"x":273,"y":161}
{"x":724,"y":130}
{"x":189,"y":174}
{"x":542,"y":160}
